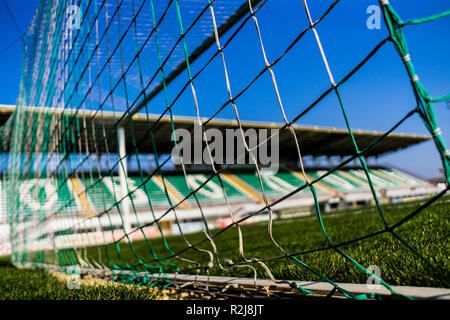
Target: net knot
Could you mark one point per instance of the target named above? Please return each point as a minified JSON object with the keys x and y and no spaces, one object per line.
{"x":415,"y":78}
{"x":228,"y":262}
{"x":406,"y":58}
{"x":437,"y":132}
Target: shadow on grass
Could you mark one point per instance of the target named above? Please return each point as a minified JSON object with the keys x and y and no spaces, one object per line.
{"x":5,"y":261}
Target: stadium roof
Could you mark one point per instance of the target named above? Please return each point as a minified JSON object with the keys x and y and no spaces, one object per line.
{"x":315,"y":141}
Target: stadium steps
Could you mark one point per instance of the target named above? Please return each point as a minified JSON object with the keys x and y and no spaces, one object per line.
{"x":290,"y":179}
{"x":319,"y":184}
{"x":109,"y":194}
{"x":180,"y":183}
{"x":153,"y":193}
{"x":377,"y":182}
{"x":406,"y":178}
{"x":252,"y":180}
{"x":337,"y":182}
{"x":99,"y":194}
{"x":243,"y":186}
{"x":212,"y":190}
{"x":233,"y":194}
{"x":80,"y":194}
{"x":275,"y":185}
{"x":389,"y":177}
{"x":358,"y":182}
{"x":172,"y":191}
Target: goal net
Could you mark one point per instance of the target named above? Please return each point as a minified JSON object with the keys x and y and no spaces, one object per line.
{"x":92,"y":184}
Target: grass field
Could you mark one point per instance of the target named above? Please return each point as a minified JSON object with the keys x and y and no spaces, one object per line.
{"x":41,"y":285}
{"x":428,"y":232}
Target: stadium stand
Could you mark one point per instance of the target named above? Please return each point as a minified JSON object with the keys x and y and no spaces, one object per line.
{"x":153,"y":194}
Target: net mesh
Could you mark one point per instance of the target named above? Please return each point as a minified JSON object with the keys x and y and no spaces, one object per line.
{"x":71,"y":203}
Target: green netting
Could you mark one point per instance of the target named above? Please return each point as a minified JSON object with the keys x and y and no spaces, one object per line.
{"x":118,"y":64}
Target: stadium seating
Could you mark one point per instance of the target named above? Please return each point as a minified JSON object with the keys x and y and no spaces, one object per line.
{"x":83,"y":198}
{"x":240,"y":187}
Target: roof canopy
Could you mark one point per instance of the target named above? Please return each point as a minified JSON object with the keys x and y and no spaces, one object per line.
{"x":315,"y":141}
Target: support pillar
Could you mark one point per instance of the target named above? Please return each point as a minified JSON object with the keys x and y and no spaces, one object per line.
{"x":123,"y":174}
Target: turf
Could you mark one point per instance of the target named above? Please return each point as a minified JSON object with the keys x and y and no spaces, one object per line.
{"x":29,"y":284}
{"x":428,"y":232}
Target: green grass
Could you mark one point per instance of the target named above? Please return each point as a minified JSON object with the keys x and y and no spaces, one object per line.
{"x":428,"y":232}
{"x":32,"y":284}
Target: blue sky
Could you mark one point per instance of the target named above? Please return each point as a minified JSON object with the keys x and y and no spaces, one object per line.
{"x":375,"y":98}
